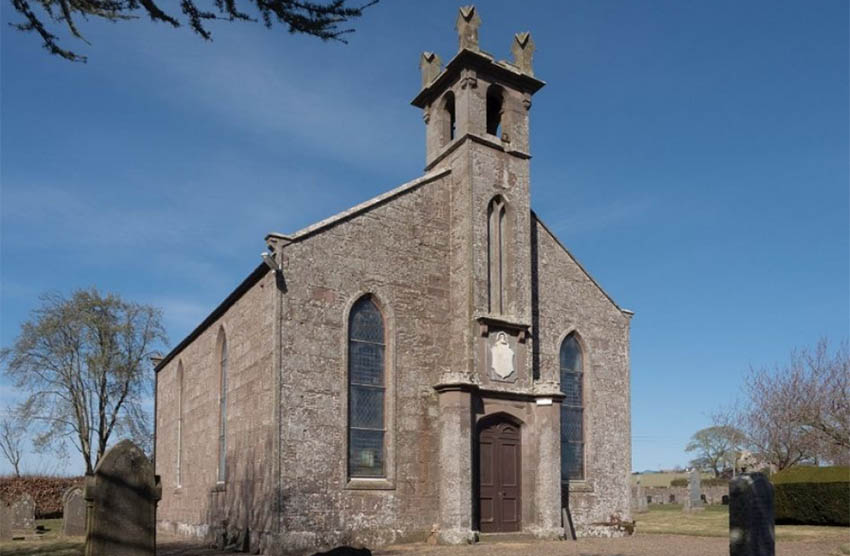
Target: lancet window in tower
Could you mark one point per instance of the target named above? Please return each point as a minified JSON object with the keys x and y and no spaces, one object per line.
{"x":495,"y":96}
{"x":496,"y":257}
{"x":448,"y":117}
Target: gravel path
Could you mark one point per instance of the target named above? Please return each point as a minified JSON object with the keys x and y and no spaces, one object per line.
{"x":646,"y":545}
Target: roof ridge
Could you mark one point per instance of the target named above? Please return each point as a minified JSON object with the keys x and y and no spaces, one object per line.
{"x":627,"y":312}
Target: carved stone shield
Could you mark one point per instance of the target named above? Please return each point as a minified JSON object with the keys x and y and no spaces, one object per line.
{"x":502,"y":357}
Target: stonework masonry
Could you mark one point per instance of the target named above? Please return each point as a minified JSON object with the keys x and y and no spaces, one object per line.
{"x":424,"y":255}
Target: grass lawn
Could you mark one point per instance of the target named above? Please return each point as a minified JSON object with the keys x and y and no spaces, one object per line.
{"x":48,"y":542}
{"x":669,"y":519}
{"x":663,"y":479}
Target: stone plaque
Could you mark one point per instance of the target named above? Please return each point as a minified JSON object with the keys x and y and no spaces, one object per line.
{"x":123,"y":493}
{"x":73,"y":512}
{"x":751,"y":516}
{"x":23,"y":515}
{"x":502,"y":358}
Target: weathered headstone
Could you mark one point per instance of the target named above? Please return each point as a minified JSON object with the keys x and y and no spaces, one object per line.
{"x":122,"y":496}
{"x":73,"y":512}
{"x":23,"y":515}
{"x":751,"y":516}
{"x":693,"y":502}
{"x":5,"y":521}
{"x":640,"y":505}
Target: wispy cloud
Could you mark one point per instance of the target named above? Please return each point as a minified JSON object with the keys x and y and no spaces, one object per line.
{"x":281,"y":99}
{"x":588,"y":219}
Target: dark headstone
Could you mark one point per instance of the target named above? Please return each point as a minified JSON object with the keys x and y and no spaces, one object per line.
{"x":122,"y":495}
{"x":73,"y":512}
{"x":23,"y":515}
{"x":5,"y":521}
{"x":751,"y":530}
{"x":725,"y":500}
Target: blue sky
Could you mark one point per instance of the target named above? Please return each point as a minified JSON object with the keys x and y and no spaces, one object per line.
{"x":692,"y":155}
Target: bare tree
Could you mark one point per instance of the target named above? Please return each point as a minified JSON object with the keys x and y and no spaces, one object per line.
{"x":13,"y":430}
{"x":82,"y":361}
{"x":320,"y":19}
{"x":716,"y":447}
{"x":798,"y":411}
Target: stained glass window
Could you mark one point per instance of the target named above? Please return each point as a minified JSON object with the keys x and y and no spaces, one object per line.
{"x":222,"y":426}
{"x":366,"y":389}
{"x":572,"y":410}
{"x":179,"y":422}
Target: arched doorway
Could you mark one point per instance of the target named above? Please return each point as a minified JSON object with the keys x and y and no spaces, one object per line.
{"x":499,"y":475}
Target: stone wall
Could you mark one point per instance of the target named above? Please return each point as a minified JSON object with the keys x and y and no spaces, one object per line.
{"x":247,"y":498}
{"x":661,"y":495}
{"x":397,"y":252}
{"x":569,"y":301}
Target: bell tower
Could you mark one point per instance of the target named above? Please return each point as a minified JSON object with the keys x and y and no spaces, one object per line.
{"x":476,"y":113}
{"x":476,"y":125}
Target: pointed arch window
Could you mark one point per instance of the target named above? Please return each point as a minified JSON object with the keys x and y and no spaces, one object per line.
{"x":572,"y":410}
{"x":179,"y":471}
{"x":496,"y":259}
{"x":495,"y":99}
{"x":222,"y":405}
{"x":448,"y":117}
{"x":366,"y":391}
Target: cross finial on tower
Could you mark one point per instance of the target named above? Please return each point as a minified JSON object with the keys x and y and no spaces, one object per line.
{"x":523,"y":50}
{"x":430,"y":64}
{"x":467,"y":27}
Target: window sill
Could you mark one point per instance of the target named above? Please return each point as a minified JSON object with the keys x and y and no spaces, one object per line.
{"x":578,"y":486}
{"x":370,"y":484}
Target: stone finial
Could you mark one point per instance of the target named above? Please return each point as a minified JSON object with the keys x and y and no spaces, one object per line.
{"x":523,"y":50}
{"x":430,"y":64}
{"x":467,"y":27}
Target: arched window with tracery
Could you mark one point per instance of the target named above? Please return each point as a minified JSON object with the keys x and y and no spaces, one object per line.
{"x":572,"y":410}
{"x":179,"y":473}
{"x":496,"y":257}
{"x":366,"y":390}
{"x":222,"y":405}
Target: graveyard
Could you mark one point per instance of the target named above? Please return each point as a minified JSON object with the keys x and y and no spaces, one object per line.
{"x":663,"y":525}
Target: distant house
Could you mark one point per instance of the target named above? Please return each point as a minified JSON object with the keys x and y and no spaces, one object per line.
{"x":432,"y":362}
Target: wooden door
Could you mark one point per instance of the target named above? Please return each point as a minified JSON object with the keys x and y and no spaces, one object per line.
{"x":499,"y":476}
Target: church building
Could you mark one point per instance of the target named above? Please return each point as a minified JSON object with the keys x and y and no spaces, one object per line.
{"x":431,"y":364}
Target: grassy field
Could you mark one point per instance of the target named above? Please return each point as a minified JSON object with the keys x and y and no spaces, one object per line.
{"x":663,"y":479}
{"x":669,"y":519}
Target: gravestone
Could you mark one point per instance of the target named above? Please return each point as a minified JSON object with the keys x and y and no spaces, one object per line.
{"x":73,"y":512}
{"x":5,"y":521}
{"x":751,"y":516}
{"x":23,"y":515}
{"x":122,"y":496}
{"x":641,"y":505}
{"x":693,"y":502}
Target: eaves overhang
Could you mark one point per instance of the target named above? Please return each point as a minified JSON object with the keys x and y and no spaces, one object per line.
{"x":481,"y":62}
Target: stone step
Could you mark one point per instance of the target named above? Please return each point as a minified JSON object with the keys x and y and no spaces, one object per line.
{"x":506,"y":537}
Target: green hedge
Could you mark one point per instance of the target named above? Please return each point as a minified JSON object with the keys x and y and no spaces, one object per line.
{"x":812,"y":495}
